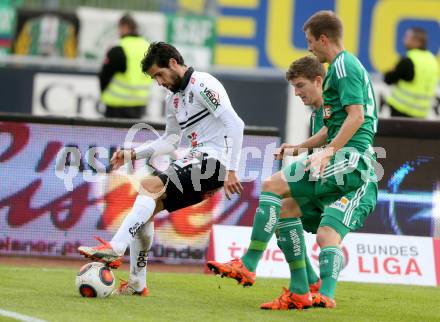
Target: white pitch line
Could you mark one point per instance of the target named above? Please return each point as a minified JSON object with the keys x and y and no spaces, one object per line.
{"x":19,"y":317}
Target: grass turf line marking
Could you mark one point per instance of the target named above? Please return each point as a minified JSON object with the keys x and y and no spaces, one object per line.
{"x":20,"y":317}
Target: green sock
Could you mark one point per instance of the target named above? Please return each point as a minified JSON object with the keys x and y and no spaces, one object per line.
{"x":312,"y":277}
{"x":330,"y":264}
{"x":265,"y":222}
{"x":291,"y":242}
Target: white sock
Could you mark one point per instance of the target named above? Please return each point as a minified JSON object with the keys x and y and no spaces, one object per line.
{"x":141,"y":212}
{"x":139,"y":248}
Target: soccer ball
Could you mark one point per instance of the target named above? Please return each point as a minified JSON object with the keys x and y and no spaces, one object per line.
{"x":95,"y":280}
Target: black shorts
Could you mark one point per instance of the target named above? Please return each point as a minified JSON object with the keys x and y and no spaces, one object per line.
{"x":189,"y":180}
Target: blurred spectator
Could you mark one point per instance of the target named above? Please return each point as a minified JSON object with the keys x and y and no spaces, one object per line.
{"x":124,"y":87}
{"x":415,"y":78}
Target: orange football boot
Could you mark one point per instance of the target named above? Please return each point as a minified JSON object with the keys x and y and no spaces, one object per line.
{"x":320,"y":300}
{"x":102,"y":253}
{"x":314,"y":288}
{"x":289,"y":301}
{"x":125,"y":289}
{"x":233,"y":269}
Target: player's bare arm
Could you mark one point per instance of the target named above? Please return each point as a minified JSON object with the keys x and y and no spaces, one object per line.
{"x":232,"y":184}
{"x":120,"y":157}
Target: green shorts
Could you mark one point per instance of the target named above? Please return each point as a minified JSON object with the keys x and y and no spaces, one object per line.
{"x":341,"y":199}
{"x":350,"y":212}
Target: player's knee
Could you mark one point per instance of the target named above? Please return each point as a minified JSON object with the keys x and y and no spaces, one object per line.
{"x":153,"y":186}
{"x":275,"y":185}
{"x":327,"y":236}
{"x":289,"y":209}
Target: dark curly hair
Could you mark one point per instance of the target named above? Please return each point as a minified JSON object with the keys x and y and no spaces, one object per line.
{"x":160,"y":53}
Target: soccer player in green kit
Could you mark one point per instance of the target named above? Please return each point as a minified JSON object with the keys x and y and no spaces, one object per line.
{"x":333,"y":180}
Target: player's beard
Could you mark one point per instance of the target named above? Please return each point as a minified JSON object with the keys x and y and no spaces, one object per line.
{"x":176,"y":82}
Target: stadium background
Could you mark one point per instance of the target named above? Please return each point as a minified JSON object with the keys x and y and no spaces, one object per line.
{"x":247,"y":44}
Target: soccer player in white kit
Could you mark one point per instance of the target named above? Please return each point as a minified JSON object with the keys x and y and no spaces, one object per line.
{"x":199,"y":109}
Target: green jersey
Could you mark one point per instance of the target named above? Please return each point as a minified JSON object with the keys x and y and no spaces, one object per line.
{"x":347,"y":83}
{"x":316,"y":120}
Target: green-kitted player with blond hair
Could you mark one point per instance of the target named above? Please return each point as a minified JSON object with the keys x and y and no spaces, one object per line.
{"x":334,"y":179}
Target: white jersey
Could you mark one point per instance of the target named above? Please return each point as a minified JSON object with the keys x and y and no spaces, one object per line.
{"x":202,"y":112}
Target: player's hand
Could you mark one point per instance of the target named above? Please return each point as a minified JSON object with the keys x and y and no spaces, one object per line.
{"x":317,"y":161}
{"x":232,"y":184}
{"x":120,"y":157}
{"x":285,"y":149}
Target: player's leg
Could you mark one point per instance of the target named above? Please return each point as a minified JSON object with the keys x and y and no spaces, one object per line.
{"x":144,"y":207}
{"x":266,"y":219}
{"x":265,"y":222}
{"x":344,"y":215}
{"x":305,"y":191}
{"x":290,"y":239}
{"x":172,"y":200}
{"x":291,"y":242}
{"x":330,"y":260}
{"x":310,"y":215}
{"x":311,"y":219}
{"x":288,"y":226}
{"x":171,"y":190}
{"x":139,"y":248}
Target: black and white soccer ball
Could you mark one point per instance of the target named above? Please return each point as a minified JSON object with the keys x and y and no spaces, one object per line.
{"x":95,"y":280}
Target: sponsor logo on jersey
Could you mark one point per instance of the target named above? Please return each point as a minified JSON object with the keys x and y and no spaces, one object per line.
{"x":327,"y":112}
{"x":190,"y":97}
{"x":340,"y":204}
{"x":211,"y":97}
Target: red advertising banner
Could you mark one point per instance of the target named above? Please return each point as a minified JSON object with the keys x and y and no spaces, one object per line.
{"x":48,"y":207}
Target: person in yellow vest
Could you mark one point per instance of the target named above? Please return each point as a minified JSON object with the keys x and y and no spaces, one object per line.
{"x":124,"y":89}
{"x":415,"y":78}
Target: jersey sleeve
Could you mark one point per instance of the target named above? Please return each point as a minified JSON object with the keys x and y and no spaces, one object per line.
{"x":166,"y":143}
{"x":350,"y":82}
{"x":211,"y":94}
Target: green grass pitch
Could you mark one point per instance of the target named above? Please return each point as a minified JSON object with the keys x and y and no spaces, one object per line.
{"x":50,"y":294}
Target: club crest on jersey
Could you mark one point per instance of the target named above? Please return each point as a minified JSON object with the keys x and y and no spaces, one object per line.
{"x":176,"y":102}
{"x":211,"y":97}
{"x":193,"y":80}
{"x":327,"y":111}
{"x":193,"y":139}
{"x":340,"y":204}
